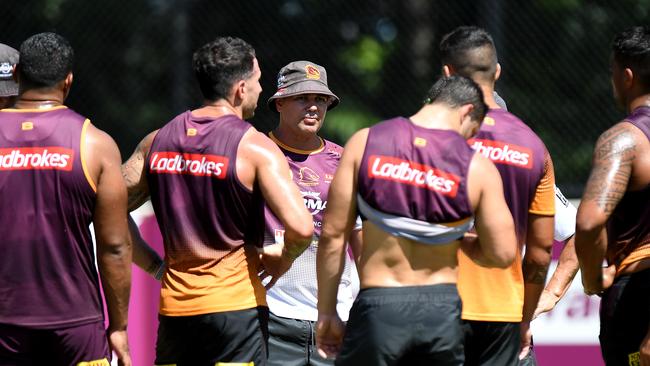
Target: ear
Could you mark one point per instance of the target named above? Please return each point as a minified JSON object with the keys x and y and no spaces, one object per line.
{"x":278,"y":104}
{"x":447,"y":70}
{"x":68,"y":79}
{"x":628,"y":78}
{"x":465,"y":110}
{"x":497,"y":73}
{"x":67,"y":84}
{"x":14,"y":73}
{"x":239,"y":90}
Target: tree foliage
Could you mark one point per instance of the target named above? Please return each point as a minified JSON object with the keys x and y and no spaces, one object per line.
{"x":133,"y":74}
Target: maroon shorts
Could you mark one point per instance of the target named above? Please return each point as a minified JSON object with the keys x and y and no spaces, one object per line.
{"x":60,"y":346}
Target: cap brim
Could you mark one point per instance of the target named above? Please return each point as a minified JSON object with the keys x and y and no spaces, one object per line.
{"x":303,"y":87}
{"x":8,"y":88}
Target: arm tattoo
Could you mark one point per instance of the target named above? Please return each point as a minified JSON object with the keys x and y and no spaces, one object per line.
{"x":133,"y":174}
{"x":130,"y":172}
{"x":534,"y":273}
{"x":612,"y":167}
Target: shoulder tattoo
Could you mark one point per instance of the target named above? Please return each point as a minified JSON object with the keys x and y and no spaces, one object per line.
{"x":612,"y":167}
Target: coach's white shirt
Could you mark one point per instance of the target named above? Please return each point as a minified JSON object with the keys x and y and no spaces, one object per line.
{"x":565,"y":217}
{"x":295,"y":294}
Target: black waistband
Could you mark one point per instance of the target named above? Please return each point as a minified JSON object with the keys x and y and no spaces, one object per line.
{"x":444,"y":291}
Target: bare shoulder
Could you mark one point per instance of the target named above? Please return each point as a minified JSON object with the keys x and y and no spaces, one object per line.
{"x":100,"y":145}
{"x":358,"y":139}
{"x":136,"y":160}
{"x":481,"y":165}
{"x":613,"y":165}
{"x":145,"y":143}
{"x":482,"y":171}
{"x":620,"y":139}
{"x":356,"y":144}
{"x":254,"y":137}
{"x":256,"y":147}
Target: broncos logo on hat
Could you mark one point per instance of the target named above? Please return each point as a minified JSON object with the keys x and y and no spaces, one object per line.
{"x":312,"y":72}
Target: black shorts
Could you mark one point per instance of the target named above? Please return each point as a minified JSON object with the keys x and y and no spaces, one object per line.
{"x":61,"y":346}
{"x":624,"y":318}
{"x":418,"y":325}
{"x":491,"y":343}
{"x":231,"y":336}
{"x":292,"y":342}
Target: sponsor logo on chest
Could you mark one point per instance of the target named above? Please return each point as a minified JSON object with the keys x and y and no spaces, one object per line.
{"x":313,"y":202}
{"x":36,"y":158}
{"x":503,"y":153}
{"x":408,"y":172}
{"x":168,"y":162}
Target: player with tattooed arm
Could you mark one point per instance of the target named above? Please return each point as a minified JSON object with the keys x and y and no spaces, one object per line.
{"x":613,"y":220}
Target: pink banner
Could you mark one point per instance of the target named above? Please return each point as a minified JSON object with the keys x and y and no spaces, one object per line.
{"x":143,"y":307}
{"x":564,"y":337}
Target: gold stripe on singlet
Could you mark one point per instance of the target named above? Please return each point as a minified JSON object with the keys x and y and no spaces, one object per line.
{"x":82,"y":152}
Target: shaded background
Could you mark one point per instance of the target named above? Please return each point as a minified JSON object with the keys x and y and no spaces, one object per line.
{"x":133,"y":74}
{"x":133,"y":66}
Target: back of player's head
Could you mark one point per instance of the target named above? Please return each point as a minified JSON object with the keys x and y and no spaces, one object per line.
{"x":221,"y":63}
{"x":631,"y":49}
{"x":456,"y":91}
{"x":470,"y":52}
{"x":45,"y":59}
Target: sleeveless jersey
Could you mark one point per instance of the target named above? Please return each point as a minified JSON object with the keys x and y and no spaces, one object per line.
{"x":48,"y":277}
{"x":494,"y":294}
{"x":294,"y":295}
{"x":415,"y":172}
{"x":628,"y":227}
{"x":209,"y":221}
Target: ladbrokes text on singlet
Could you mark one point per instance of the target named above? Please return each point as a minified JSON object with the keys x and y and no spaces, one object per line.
{"x":504,"y":153}
{"x":36,"y":158}
{"x":184,"y":163}
{"x":408,"y":172}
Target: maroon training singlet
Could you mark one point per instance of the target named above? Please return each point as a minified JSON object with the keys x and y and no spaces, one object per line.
{"x":200,"y":204}
{"x":48,"y":277}
{"x":416,"y":172}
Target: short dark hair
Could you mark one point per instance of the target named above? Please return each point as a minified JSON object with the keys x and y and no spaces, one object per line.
{"x":221,"y":63}
{"x":456,"y":91}
{"x":631,"y":49}
{"x":45,"y":59}
{"x":471,"y":52}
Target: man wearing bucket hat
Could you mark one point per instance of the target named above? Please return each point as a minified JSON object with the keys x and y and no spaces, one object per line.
{"x":8,"y":86}
{"x":302,"y":100}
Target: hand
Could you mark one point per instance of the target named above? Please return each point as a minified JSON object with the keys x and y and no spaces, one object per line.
{"x":273,"y":263}
{"x":607,"y":281}
{"x":644,"y":350}
{"x":471,"y":247}
{"x":118,"y":343}
{"x":546,"y":303}
{"x":526,"y":336}
{"x":329,"y":335}
{"x":469,"y":240}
